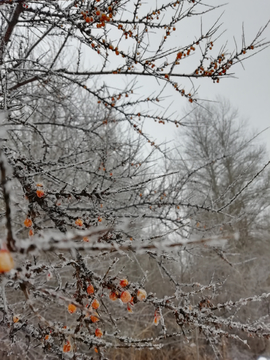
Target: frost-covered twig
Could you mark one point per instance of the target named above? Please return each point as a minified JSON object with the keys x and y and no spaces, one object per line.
{"x":11,"y":245}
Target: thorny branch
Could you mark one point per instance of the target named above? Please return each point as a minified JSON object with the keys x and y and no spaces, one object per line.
{"x":90,"y":190}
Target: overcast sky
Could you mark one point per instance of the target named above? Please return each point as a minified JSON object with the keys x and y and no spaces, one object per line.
{"x":250,"y":90}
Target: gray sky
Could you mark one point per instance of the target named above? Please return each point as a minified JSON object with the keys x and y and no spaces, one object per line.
{"x":250,"y":90}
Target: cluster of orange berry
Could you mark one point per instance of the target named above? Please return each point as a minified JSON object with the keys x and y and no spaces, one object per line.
{"x":125,"y":295}
{"x":28,"y":223}
{"x":79,"y":222}
{"x":181,"y":54}
{"x":40,"y":194}
{"x":149,"y":63}
{"x":98,"y":16}
{"x":215,"y":67}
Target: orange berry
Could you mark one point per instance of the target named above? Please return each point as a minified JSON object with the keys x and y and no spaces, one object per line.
{"x":99,"y":219}
{"x":67,"y":347}
{"x":123,"y":283}
{"x":6,"y":261}
{"x":39,"y":185}
{"x":72,"y":308}
{"x":113,"y":296}
{"x":97,"y":12}
{"x":28,"y":223}
{"x":95,"y":304}
{"x":179,"y":55}
{"x":156,"y":319}
{"x":96,"y":350}
{"x":16,"y":318}
{"x":31,"y":232}
{"x":90,"y":289}
{"x":40,"y":193}
{"x":87,"y":19}
{"x":85,"y":239}
{"x":47,"y":337}
{"x":79,"y":222}
{"x":103,"y":17}
{"x":125,"y":297}
{"x":94,"y":318}
{"x":141,"y":294}
{"x":98,"y":333}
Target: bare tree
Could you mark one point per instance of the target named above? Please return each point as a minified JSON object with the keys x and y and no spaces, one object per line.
{"x":229,"y":161}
